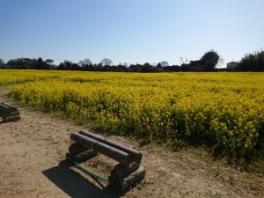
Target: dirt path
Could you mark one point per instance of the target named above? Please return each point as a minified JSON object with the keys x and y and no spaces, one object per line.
{"x":32,"y":153}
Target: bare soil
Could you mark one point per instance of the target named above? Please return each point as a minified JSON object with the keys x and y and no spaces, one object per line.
{"x":32,"y":153}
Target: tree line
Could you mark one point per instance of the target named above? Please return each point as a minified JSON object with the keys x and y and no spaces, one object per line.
{"x":208,"y":62}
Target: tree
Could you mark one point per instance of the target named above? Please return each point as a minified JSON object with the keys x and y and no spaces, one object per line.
{"x":147,"y":67}
{"x":85,"y":62}
{"x":206,"y":63}
{"x":106,"y":61}
{"x":22,"y":63}
{"x":164,"y":63}
{"x":159,"y":66}
{"x":39,"y":64}
{"x":1,"y":62}
{"x":68,"y":65}
{"x":49,"y":61}
{"x":252,"y":62}
{"x":27,"y":63}
{"x":121,"y":67}
{"x":209,"y":60}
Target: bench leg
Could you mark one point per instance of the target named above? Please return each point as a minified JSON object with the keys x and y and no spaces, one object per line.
{"x":129,"y":181}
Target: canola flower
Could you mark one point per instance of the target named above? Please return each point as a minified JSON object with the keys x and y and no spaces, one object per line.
{"x":224,"y":111}
{"x":11,"y":76}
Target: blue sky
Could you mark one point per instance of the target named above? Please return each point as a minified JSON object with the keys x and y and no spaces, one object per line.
{"x":130,"y":30}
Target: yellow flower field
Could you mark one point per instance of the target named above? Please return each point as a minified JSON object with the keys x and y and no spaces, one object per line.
{"x":11,"y":76}
{"x":224,"y":111}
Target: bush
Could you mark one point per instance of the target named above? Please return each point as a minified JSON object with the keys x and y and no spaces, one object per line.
{"x":252,"y":62}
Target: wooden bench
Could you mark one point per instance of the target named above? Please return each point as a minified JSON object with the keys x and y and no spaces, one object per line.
{"x":125,"y":174}
{"x":8,"y":113}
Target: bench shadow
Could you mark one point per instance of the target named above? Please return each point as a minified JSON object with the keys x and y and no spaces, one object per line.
{"x":74,"y":185}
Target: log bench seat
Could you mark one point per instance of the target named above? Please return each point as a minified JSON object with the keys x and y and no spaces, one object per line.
{"x":125,"y":174}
